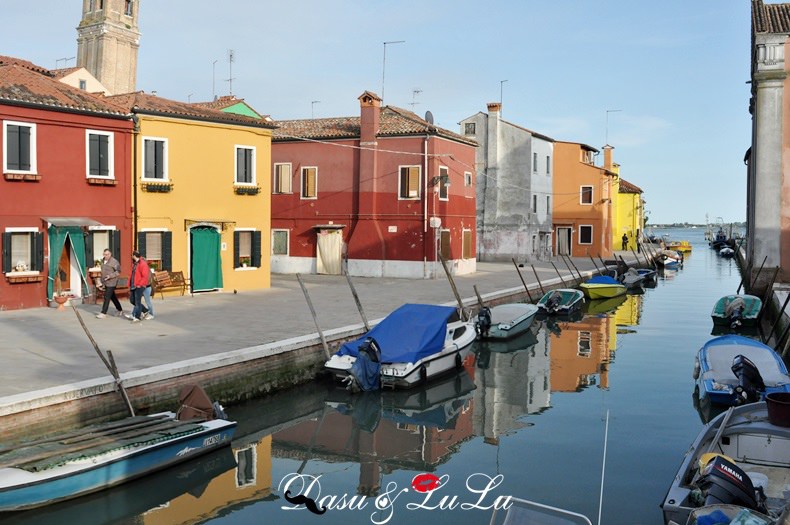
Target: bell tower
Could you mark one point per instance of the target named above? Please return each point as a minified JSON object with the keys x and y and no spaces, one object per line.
{"x":108,"y":38}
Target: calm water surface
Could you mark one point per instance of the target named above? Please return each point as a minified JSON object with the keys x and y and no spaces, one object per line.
{"x":531,"y":420}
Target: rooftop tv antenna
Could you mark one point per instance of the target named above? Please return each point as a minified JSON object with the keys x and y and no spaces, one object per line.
{"x":414,"y":93}
{"x":231,"y":58}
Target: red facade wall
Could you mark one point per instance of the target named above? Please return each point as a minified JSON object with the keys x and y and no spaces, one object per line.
{"x":63,"y":189}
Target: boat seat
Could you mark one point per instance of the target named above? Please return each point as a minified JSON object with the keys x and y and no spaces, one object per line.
{"x":720,"y":362}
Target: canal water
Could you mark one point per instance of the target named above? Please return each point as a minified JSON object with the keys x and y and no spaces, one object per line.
{"x":530,"y":421}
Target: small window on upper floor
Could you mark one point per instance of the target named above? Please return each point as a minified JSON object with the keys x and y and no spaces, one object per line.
{"x":310,"y":183}
{"x":548,"y":165}
{"x":409,"y":183}
{"x":127,"y":8}
{"x":83,"y":84}
{"x":586,"y":195}
{"x":245,"y":165}
{"x":467,"y":178}
{"x":19,"y":144}
{"x":100,"y":154}
{"x":534,"y":204}
{"x":444,"y":183}
{"x":282,"y":178}
{"x":155,"y":159}
{"x":469,"y":128}
{"x":534,"y":163}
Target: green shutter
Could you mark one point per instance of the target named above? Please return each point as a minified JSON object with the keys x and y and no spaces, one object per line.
{"x":115,"y":244}
{"x":38,"y":251}
{"x":256,"y":249}
{"x":167,"y":251}
{"x":6,"y":252}
{"x":236,"y":241}
{"x":89,"y":250}
{"x":141,"y":244}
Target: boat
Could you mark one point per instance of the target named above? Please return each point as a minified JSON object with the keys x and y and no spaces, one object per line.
{"x":634,"y":277}
{"x":604,"y":306}
{"x":561,"y":301}
{"x":525,"y":512}
{"x":719,"y":240}
{"x":732,"y":370}
{"x":602,"y":287}
{"x":736,"y":311}
{"x":739,"y":458}
{"x":410,"y":346}
{"x":669,"y":259}
{"x":727,"y":252}
{"x":68,"y":465}
{"x":523,"y":341}
{"x":505,"y":321}
{"x":679,"y":246}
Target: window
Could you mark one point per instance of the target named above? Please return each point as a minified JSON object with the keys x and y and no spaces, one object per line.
{"x":444,"y":183}
{"x":100,"y":154}
{"x":245,"y":165}
{"x":586,"y":196}
{"x":409,"y":182}
{"x":548,"y":165}
{"x":246,"y":466}
{"x":19,"y":145}
{"x":97,"y":240}
{"x":548,"y":204}
{"x":534,"y":204}
{"x":279,"y":242}
{"x":534,"y":163}
{"x":309,"y":182}
{"x":585,"y":344}
{"x":155,"y":159}
{"x":127,"y":9}
{"x":157,"y":248}
{"x":282,"y":178}
{"x":468,"y":252}
{"x":83,"y":84}
{"x":246,"y":249}
{"x":23,"y":250}
{"x":467,"y":178}
{"x":585,"y":234}
{"x":469,"y":128}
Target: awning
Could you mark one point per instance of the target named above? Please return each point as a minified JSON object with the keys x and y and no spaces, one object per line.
{"x":329,"y":226}
{"x":71,"y":221}
{"x":222,"y":223}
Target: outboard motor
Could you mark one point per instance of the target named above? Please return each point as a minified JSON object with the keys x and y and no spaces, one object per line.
{"x":724,"y":482}
{"x":553,"y":302}
{"x":365,"y":372}
{"x":734,"y":311}
{"x":483,"y":321}
{"x":750,"y":382}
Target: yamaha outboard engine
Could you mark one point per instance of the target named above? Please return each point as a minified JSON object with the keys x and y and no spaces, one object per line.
{"x":750,"y":382}
{"x":484,"y":321}
{"x":365,"y":371}
{"x":553,"y":302}
{"x":724,"y":482}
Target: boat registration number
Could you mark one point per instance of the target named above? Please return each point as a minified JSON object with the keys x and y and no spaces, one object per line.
{"x":212,"y":440}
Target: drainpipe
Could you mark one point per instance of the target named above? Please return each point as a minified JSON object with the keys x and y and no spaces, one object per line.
{"x":135,"y":134}
{"x":425,"y":208}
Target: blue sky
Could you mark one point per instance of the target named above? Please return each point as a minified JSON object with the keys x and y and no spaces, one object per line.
{"x":676,"y":69}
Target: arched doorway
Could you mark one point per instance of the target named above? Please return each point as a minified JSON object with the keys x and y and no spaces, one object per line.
{"x":205,"y":261}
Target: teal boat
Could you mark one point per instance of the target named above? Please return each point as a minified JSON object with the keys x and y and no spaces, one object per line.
{"x":505,"y":320}
{"x":737,"y":311}
{"x":561,"y":301}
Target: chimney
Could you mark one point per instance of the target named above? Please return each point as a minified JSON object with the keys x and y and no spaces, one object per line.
{"x":494,"y":108}
{"x":370,"y":117}
{"x":607,"y":158}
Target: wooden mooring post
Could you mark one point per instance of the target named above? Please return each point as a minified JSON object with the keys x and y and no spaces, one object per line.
{"x":752,"y":282}
{"x":596,"y":266}
{"x":542,"y":291}
{"x":767,"y":293}
{"x":638,"y":262}
{"x":522,"y":280}
{"x":455,"y":290}
{"x":315,"y":317}
{"x":479,"y":299}
{"x":778,"y":318}
{"x":575,"y":268}
{"x":359,"y":303}
{"x":559,"y":274}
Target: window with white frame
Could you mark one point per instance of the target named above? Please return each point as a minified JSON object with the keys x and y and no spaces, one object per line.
{"x":157,"y":248}
{"x":282,"y":178}
{"x":23,"y":250}
{"x":246,"y":467}
{"x":585,"y":344}
{"x":155,"y":159}
{"x":586,"y":195}
{"x":245,"y":165}
{"x":280,"y":242}
{"x":469,"y":128}
{"x":585,"y":234}
{"x":99,"y":150}
{"x":409,"y":182}
{"x":444,"y":183}
{"x":246,"y":248}
{"x":467,"y":178}
{"x":534,"y":162}
{"x":99,"y":238}
{"x":19,"y":147}
{"x":309,"y":182}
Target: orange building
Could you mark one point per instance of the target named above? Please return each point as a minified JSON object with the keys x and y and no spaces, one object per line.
{"x":582,"y":361}
{"x":583,"y":208}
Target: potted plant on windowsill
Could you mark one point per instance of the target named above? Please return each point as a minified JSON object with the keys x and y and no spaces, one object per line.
{"x":244,"y":262}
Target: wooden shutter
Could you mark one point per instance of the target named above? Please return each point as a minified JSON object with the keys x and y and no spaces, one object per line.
{"x":167,"y":251}
{"x":236,"y":242}
{"x":89,"y":260}
{"x":467,"y":241}
{"x":38,"y":251}
{"x":444,"y":248}
{"x":256,"y":249}
{"x":6,"y":252}
{"x":115,"y":244}
{"x":308,"y":182}
{"x":414,"y":182}
{"x":286,"y":177}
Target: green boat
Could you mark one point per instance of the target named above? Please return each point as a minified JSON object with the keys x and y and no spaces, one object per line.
{"x":736,"y":311}
{"x":561,"y":301}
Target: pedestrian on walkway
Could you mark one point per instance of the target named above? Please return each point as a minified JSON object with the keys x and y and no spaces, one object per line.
{"x":110,"y":271}
{"x":625,"y":241}
{"x":138,"y":281}
{"x":147,"y":294}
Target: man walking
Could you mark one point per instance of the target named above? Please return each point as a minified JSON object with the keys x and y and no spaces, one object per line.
{"x":625,"y":241}
{"x":138,"y":281}
{"x":110,"y":270}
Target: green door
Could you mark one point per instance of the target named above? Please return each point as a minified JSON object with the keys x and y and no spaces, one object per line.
{"x":206,"y":271}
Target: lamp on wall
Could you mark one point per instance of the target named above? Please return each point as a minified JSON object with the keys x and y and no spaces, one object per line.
{"x":444,"y":179}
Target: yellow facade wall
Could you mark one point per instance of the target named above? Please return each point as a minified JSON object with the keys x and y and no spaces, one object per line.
{"x":201,"y":170}
{"x":628,"y":218}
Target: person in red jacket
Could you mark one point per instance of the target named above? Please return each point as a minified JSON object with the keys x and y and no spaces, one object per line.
{"x":138,"y":281}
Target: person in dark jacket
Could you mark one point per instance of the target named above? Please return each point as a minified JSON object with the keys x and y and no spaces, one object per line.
{"x":138,"y":281}
{"x":110,"y":271}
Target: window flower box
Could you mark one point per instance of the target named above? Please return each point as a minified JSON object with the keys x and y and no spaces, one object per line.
{"x":157,"y":187}
{"x":246,"y":190}
{"x":24,"y":277}
{"x":102,"y":181}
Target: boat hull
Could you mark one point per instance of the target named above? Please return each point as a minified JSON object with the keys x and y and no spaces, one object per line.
{"x":571,"y":300}
{"x":602,"y":291}
{"x":516,"y":323}
{"x":20,"y":489}
{"x":748,"y":319}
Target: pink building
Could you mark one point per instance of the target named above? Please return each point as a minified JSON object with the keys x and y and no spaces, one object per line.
{"x":387,"y":191}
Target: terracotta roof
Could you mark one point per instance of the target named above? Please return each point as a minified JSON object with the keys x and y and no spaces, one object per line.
{"x":394,"y":122}
{"x":144,"y":103}
{"x":7,"y":60}
{"x":62,"y":72}
{"x":21,"y":84}
{"x":770,"y":18}
{"x":627,"y":187}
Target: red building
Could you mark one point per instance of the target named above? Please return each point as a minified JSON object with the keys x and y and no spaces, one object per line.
{"x":65,"y":194}
{"x":388,"y":191}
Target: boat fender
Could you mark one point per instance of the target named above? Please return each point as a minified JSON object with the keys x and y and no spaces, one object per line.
{"x":696,"y":369}
{"x":423,"y":374}
{"x":459,"y":363}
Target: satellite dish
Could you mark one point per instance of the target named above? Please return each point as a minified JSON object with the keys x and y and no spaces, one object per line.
{"x":429,"y":117}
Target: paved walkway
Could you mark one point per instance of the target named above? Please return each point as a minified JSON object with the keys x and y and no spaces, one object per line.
{"x":43,"y":347}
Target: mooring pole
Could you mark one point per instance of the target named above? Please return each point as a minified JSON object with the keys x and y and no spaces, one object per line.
{"x":359,"y":304}
{"x":542,"y":291}
{"x":522,"y":280}
{"x":479,"y":299}
{"x":605,"y":266}
{"x":596,"y":266}
{"x":315,"y":317}
{"x":638,"y":262}
{"x":558,"y":274}
{"x":782,"y":338}
{"x":624,"y":263}
{"x":573,"y":275}
{"x":452,"y":285}
{"x":575,"y":268}
{"x":778,"y":318}
{"x":752,"y":283}
{"x":768,"y":291}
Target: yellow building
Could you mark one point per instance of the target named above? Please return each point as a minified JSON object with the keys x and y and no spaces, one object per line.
{"x":201,"y":192}
{"x":629,"y":213}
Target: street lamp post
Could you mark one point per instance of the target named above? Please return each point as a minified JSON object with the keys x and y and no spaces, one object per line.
{"x":606,"y":142}
{"x":384,"y":63}
{"x":312,"y":108}
{"x":501,"y":83}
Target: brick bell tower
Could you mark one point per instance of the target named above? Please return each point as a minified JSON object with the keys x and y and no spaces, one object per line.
{"x":108,"y":38}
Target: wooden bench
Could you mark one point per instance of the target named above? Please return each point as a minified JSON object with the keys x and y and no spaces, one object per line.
{"x":164,"y":280}
{"x":121,"y":290}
